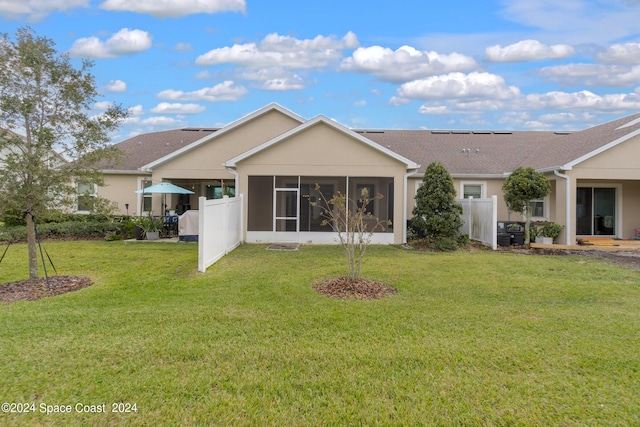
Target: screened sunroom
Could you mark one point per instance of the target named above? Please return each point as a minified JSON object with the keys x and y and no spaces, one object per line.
{"x":293,"y":208}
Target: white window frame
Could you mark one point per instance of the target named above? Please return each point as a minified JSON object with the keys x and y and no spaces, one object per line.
{"x":482,"y":184}
{"x":140,"y":200}
{"x":545,"y":209}
{"x":92,"y":194}
{"x":618,"y":188}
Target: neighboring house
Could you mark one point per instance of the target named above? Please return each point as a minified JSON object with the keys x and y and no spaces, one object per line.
{"x":275,"y":158}
{"x":54,"y":159}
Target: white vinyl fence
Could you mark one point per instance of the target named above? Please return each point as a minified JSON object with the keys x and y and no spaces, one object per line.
{"x":480,"y":218}
{"x":220,"y":229}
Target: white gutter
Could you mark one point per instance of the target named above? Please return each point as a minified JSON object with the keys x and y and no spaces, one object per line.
{"x":404,"y":203}
{"x":233,"y":172}
{"x":567,"y":206}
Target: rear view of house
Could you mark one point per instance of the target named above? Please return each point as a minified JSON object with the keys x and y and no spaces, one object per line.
{"x":275,"y":158}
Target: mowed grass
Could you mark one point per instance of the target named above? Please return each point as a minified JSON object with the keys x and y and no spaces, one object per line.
{"x":470,"y":339}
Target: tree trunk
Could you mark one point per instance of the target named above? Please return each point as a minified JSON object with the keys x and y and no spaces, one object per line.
{"x":32,"y":246}
{"x":527,"y":224}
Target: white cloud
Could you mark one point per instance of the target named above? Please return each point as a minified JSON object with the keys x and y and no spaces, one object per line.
{"x":161,"y":121}
{"x":578,"y":21}
{"x":124,"y":42}
{"x":136,"y":110}
{"x":282,"y":51}
{"x":177,"y":108}
{"x":134,"y":114}
{"x":406,"y":63}
{"x":289,"y":83}
{"x":437,"y":109}
{"x":459,"y":85}
{"x":276,"y":79}
{"x":103,"y":105}
{"x":396,"y":101}
{"x":116,"y":86}
{"x":564,"y":117}
{"x":592,"y":74}
{"x":527,"y":50}
{"x":174,"y":8}
{"x":183,"y":47}
{"x":36,"y":10}
{"x":626,"y":53}
{"x":225,"y":91}
{"x":582,"y":99}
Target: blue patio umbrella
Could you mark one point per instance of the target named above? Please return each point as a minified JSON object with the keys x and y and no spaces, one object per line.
{"x":164,"y":188}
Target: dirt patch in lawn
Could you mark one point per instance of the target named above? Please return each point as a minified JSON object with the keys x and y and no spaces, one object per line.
{"x":361,"y":289}
{"x":629,"y":259}
{"x":34,"y":290}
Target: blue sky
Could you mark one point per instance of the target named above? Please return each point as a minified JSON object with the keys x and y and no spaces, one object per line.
{"x":517,"y":64}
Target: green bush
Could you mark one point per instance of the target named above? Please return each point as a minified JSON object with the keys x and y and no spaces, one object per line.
{"x":69,"y":230}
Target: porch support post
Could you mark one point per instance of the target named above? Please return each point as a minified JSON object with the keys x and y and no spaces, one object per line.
{"x":405,"y":200}
{"x":567,"y":206}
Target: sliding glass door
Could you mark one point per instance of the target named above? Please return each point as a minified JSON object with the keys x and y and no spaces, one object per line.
{"x":596,"y":211}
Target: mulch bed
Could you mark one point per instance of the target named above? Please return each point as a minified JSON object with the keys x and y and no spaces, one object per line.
{"x":362,"y":289}
{"x":33,"y":290}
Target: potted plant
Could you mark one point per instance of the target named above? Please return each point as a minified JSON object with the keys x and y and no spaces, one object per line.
{"x":549,"y":231}
{"x":151,"y":227}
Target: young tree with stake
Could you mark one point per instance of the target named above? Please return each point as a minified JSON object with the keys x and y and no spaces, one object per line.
{"x":47,"y":100}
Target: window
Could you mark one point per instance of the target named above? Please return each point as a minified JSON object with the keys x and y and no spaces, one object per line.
{"x":472,"y":189}
{"x":146,"y":198}
{"x":537,"y":208}
{"x":596,"y":211}
{"x":86,"y":197}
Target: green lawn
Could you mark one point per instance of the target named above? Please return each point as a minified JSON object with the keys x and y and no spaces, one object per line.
{"x":470,"y":339}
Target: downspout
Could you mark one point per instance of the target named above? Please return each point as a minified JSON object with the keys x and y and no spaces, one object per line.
{"x":405,"y":198}
{"x":567,"y":205}
{"x":236,"y":178}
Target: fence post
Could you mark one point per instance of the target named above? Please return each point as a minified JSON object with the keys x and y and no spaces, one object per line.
{"x":469,"y":216}
{"x":201,"y":237}
{"x":494,"y":223}
{"x":225,"y":223}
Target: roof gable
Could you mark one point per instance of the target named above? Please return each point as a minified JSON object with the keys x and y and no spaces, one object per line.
{"x":583,"y":145}
{"x":226,"y":129}
{"x":232,"y":163}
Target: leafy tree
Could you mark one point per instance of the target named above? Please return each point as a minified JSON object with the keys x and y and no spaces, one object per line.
{"x":44,"y":98}
{"x":437,"y":214}
{"x":354,"y":224}
{"x":520,"y":188}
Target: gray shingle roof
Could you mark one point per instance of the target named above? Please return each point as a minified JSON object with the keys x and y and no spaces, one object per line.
{"x":461,"y":152}
{"x":465,"y":152}
{"x":551,"y":154}
{"x":143,"y":149}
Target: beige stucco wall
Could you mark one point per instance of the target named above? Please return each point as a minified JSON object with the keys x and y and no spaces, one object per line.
{"x":616,"y":167}
{"x":619,"y":162}
{"x":492,"y":187}
{"x":206,"y":161}
{"x":322,"y":150}
{"x":120,"y":189}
